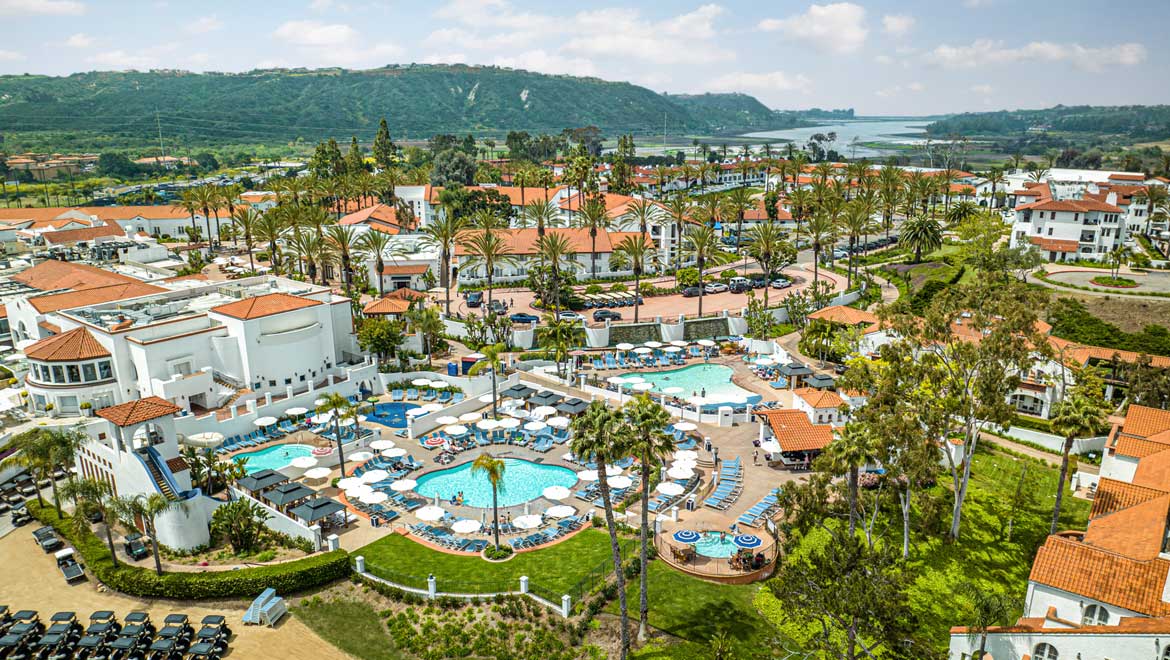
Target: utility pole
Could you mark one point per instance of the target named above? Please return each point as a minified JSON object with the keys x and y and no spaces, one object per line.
{"x":158,"y":123}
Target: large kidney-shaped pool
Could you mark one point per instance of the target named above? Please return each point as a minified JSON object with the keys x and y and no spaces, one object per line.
{"x":711,"y":380}
{"x":273,"y":458}
{"x":523,"y":481}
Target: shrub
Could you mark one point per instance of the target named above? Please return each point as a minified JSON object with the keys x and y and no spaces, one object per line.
{"x":619,"y":288}
{"x":86,"y":405}
{"x":687,"y":277}
{"x":593,"y":288}
{"x":728,"y":274}
{"x":285,"y":578}
{"x":503,"y":552}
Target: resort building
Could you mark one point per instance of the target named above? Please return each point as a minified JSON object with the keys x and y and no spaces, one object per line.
{"x":1070,"y":229}
{"x":153,"y":220}
{"x":791,"y":438}
{"x":522,"y":246}
{"x":821,"y":406}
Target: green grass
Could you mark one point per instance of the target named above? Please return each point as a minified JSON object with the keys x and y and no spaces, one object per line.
{"x":351,"y":626}
{"x":551,"y":572}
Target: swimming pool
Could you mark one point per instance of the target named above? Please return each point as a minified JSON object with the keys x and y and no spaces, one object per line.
{"x":714,"y":379}
{"x":523,"y":481}
{"x":391,"y":414}
{"x":273,"y":458}
{"x":711,"y":546}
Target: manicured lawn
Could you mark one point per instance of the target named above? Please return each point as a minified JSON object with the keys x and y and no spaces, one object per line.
{"x":554,"y":571}
{"x":349,"y":625}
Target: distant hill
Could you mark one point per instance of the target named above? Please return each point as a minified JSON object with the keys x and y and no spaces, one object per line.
{"x":278,"y":106}
{"x":1135,"y":121}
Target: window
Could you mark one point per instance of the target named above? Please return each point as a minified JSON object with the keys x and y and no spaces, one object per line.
{"x":74,"y":373}
{"x":1095,"y":615}
{"x":1050,"y":231}
{"x":1045,"y":651}
{"x":89,"y":372}
{"x":271,"y":382}
{"x":58,"y":374}
{"x":1166,"y":654}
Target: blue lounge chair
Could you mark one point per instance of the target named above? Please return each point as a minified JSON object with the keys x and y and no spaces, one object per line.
{"x":396,"y":395}
{"x":429,"y":395}
{"x":459,"y":396}
{"x":411,"y":393}
{"x":445,"y":396}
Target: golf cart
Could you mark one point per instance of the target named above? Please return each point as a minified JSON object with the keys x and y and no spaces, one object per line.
{"x":127,"y":648}
{"x":5,"y":619}
{"x":47,"y":539}
{"x":20,"y":516}
{"x":54,"y":646}
{"x":15,"y":647}
{"x":141,"y":623}
{"x":165,"y":649}
{"x":72,"y":570}
{"x":204,"y":651}
{"x":26,"y":622}
{"x":103,"y":624}
{"x":135,"y":547}
{"x":92,"y":647}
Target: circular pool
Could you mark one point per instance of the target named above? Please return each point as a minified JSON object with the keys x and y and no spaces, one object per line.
{"x":523,"y":481}
{"x":712,"y":546}
{"x":391,"y":414}
{"x":276,"y":457}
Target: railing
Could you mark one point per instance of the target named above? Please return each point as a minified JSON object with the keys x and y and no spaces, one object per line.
{"x":717,"y":567}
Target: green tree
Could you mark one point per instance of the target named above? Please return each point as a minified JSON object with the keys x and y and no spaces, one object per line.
{"x":241,"y":522}
{"x":560,"y":336}
{"x":847,"y":454}
{"x":378,"y":246}
{"x":821,"y":231}
{"x":380,"y":336}
{"x":443,"y":233}
{"x":1081,"y":413}
{"x":492,"y":468}
{"x":247,"y":220}
{"x":340,"y":408}
{"x":429,"y":325}
{"x":146,"y":508}
{"x":453,"y":166}
{"x":633,"y":253}
{"x":988,"y":609}
{"x":771,"y":250}
{"x":921,"y":234}
{"x":595,"y":218}
{"x":701,"y":244}
{"x":383,"y":147}
{"x":486,"y":248}
{"x":93,"y":497}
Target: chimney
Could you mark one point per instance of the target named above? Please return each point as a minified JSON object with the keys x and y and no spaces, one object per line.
{"x":1111,"y":199}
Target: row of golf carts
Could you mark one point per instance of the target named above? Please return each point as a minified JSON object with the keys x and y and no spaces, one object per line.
{"x":23,"y":636}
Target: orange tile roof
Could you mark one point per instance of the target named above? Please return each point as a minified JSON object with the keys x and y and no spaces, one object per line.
{"x":382,"y":306}
{"x":407,"y":293}
{"x":1126,"y":625}
{"x":794,"y":432}
{"x":51,"y":275}
{"x":136,"y":412}
{"x":66,"y":236}
{"x":524,"y":241}
{"x":1135,"y":531}
{"x":513,"y":193}
{"x":1073,"y":205}
{"x":819,"y":398}
{"x":1127,"y":176}
{"x":71,"y":346}
{"x":409,"y":269}
{"x":266,"y":305}
{"x":616,"y":237}
{"x":382,"y":213}
{"x":758,"y":212}
{"x":1054,"y":244}
{"x":1081,"y":354}
{"x":1144,"y":422}
{"x":92,"y":296}
{"x":1102,"y":575}
{"x":844,"y":315}
{"x":1113,"y":495}
{"x":1153,"y":471}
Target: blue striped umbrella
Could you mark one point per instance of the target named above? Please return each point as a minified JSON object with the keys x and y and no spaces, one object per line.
{"x":748,"y":541}
{"x":686,"y":536}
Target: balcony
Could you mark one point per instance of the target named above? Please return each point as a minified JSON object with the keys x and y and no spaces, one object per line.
{"x":186,"y":385}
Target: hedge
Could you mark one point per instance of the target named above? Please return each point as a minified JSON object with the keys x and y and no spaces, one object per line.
{"x":285,"y":578}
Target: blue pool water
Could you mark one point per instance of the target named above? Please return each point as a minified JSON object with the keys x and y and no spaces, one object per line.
{"x":523,"y":481}
{"x":391,"y":414}
{"x":714,"y":378}
{"x":273,"y":458}
{"x":711,"y":546}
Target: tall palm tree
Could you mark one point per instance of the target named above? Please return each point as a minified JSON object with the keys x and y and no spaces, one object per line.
{"x":343,"y":238}
{"x":996,"y":178}
{"x":855,"y":447}
{"x":146,"y":508}
{"x":1078,"y":415}
{"x":855,"y":221}
{"x":801,"y":205}
{"x":491,"y":360}
{"x":891,"y":188}
{"x":443,"y":233}
{"x":678,"y":207}
{"x":702,"y":245}
{"x":596,"y":434}
{"x":93,"y":497}
{"x":767,"y":245}
{"x":246,"y":219}
{"x":375,"y":245}
{"x":633,"y":253}
{"x":921,"y":234}
{"x":33,"y":450}
{"x":1154,"y":197}
{"x":189,"y":202}
{"x":560,"y":335}
{"x":340,"y":408}
{"x":209,"y":200}
{"x":271,"y":228}
{"x":594,"y":217}
{"x":642,"y":213}
{"x":539,"y":214}
{"x":486,"y":248}
{"x":821,"y":231}
{"x":556,"y":253}
{"x":429,"y":325}
{"x":645,"y":420}
{"x":492,"y":468}
{"x":735,"y":205}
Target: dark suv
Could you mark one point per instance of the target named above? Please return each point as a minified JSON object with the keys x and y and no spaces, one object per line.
{"x":606,"y":315}
{"x":475,"y":299}
{"x":690,"y":292}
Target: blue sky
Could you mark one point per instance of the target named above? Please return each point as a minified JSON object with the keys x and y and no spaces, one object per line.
{"x":878,"y":56}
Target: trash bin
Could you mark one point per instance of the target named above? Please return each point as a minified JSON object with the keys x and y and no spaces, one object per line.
{"x":452,"y":369}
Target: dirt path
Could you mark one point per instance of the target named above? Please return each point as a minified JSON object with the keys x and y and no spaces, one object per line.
{"x":31,"y":581}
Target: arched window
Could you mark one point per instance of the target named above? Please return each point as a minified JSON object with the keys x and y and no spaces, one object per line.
{"x":1045,"y":651}
{"x":1166,"y":654}
{"x":1095,"y":615}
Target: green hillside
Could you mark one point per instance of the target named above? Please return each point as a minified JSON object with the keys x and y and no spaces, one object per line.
{"x":112,"y":109}
{"x":1134,"y":121}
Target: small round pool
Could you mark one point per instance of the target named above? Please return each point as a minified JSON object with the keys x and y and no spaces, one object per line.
{"x":273,"y":458}
{"x":391,"y":414}
{"x":523,"y":481}
{"x":711,"y":546}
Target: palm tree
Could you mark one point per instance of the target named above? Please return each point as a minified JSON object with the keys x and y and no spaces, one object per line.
{"x":489,"y":249}
{"x":493,"y":469}
{"x":555,"y":252}
{"x":442,"y":233}
{"x":145,"y":508}
{"x":921,"y":234}
{"x":632,"y":253}
{"x":891,"y":190}
{"x":801,"y":205}
{"x":596,"y":434}
{"x":1080,"y":414}
{"x":189,"y":202}
{"x":340,"y":407}
{"x":996,"y":178}
{"x":1154,"y":197}
{"x":93,"y":497}
{"x":820,"y":231}
{"x":270,"y":229}
{"x":491,"y":360}
{"x":735,"y":205}
{"x":767,"y":245}
{"x":376,"y":245}
{"x":1117,"y":258}
{"x":645,"y":420}
{"x":989,"y":609}
{"x":538,"y":214}
{"x":678,"y":207}
{"x":429,"y":325}
{"x":961,"y":212}
{"x":856,"y":222}
{"x":594,"y":217}
{"x":643,"y":213}
{"x":848,"y":454}
{"x":33,"y":450}
{"x":701,"y":244}
{"x":343,"y":239}
{"x":246,"y":220}
{"x":208,"y":198}
{"x":560,"y":335}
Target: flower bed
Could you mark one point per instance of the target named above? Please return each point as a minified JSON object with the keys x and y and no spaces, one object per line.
{"x":1114,"y":282}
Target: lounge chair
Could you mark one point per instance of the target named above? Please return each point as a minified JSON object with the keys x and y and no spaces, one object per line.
{"x":458,"y":396}
{"x":429,"y":395}
{"x":445,"y":396}
{"x":396,"y":395}
{"x":412,"y":394}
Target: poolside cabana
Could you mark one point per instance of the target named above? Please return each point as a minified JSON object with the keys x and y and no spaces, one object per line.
{"x":258,"y":482}
{"x":316,"y":509}
{"x":546,"y":398}
{"x":819,"y":381}
{"x":288,"y":494}
{"x":794,"y":371}
{"x":572,"y":406}
{"x":518,"y":392}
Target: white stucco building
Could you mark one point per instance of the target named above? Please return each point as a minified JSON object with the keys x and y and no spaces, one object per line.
{"x":1070,"y":229}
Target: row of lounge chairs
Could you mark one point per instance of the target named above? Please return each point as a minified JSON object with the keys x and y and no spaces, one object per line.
{"x":562,"y":528}
{"x":729,"y":487}
{"x":412,"y":394}
{"x":664,"y":502}
{"x":443,"y":537}
{"x":253,"y":439}
{"x":592,"y":494}
{"x":761,"y":511}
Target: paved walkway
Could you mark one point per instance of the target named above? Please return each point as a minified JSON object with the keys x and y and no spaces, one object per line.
{"x":1154,"y":281}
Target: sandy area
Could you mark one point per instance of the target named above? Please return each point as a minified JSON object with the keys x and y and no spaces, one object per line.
{"x":31,"y":581}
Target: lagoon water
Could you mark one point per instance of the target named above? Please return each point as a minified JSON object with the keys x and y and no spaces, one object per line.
{"x":893,"y":131}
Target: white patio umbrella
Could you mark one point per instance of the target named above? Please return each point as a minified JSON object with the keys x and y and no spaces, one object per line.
{"x":487,"y":424}
{"x":394,"y":452}
{"x":673,"y":389}
{"x":438,"y":383}
{"x":455,"y":429}
{"x":705,"y":342}
{"x":360,"y":456}
{"x":642,"y":350}
{"x":403,"y":485}
{"x":321,"y":418}
{"x":264,"y":421}
{"x":624,"y":346}
{"x":421,"y":382}
{"x":616,"y":380}
{"x":296,"y":411}
{"x":470,"y":417}
{"x":374,"y":476}
{"x":509,"y":423}
{"x":686,"y":455}
{"x":317,"y":473}
{"x":447,"y":420}
{"x":587,"y":475}
{"x":621,"y":481}
{"x":642,"y":387}
{"x":634,"y":380}
{"x":379,"y":445}
{"x":686,"y":465}
{"x":678,"y":342}
{"x":559,"y":422}
{"x":612,"y":470}
{"x":535,"y":426}
{"x":669,"y":488}
{"x":680,"y":473}
{"x":358,"y":490}
{"x":653,"y":344}
{"x":531,"y":521}
{"x":303,"y":462}
{"x":349,"y":482}
{"x":671,"y":349}
{"x":560,"y":511}
{"x":685,"y":426}
{"x":544,"y":411}
{"x":765,"y":362}
{"x":432,"y":407}
{"x":466,"y":526}
{"x":374,"y":497}
{"x":518,"y":413}
{"x":430,"y":513}
{"x":416,"y":412}
{"x":698,"y":401}
{"x":556,"y":493}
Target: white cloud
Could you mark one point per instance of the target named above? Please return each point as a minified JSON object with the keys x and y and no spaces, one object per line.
{"x":774,"y":81}
{"x":79,"y":40}
{"x":624,"y":33}
{"x":334,"y":44}
{"x":838,"y":27}
{"x":198,"y":60}
{"x":11,"y":56}
{"x":545,"y":62}
{"x":316,"y":33}
{"x":985,"y":51}
{"x":120,"y":59}
{"x":444,"y":58}
{"x":204,"y":25}
{"x":899,"y":90}
{"x":45,"y":7}
{"x":320,"y":5}
{"x":976,"y":4}
{"x":898,"y":25}
{"x":982,"y":89}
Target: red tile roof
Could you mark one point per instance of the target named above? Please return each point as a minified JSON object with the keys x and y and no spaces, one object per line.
{"x":794,"y":432}
{"x":69,"y":236}
{"x":524,"y":241}
{"x":1102,"y":575}
{"x":819,"y":398}
{"x":1070,"y":205}
{"x":1054,"y":244}
{"x":409,"y":269}
{"x":51,"y":275}
{"x":70,"y":346}
{"x":136,"y":412}
{"x":382,"y":214}
{"x":406,"y":293}
{"x":92,"y":296}
{"x":266,"y":305}
{"x":383,"y":306}
{"x":1113,"y":495}
{"x":844,"y":315}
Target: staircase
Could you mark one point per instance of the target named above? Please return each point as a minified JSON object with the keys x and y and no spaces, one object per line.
{"x":157,"y":476}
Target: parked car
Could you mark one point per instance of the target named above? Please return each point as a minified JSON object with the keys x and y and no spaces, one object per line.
{"x":69,"y":566}
{"x":569,"y":316}
{"x":498,"y":307}
{"x":47,"y":539}
{"x":715,"y":287}
{"x":781,"y":283}
{"x":135,"y":546}
{"x":606,"y":315}
{"x":524,"y":317}
{"x":21,"y":517}
{"x":475,"y":299}
{"x":691,"y":292}
{"x":739,"y":284}
{"x":759,"y":281}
